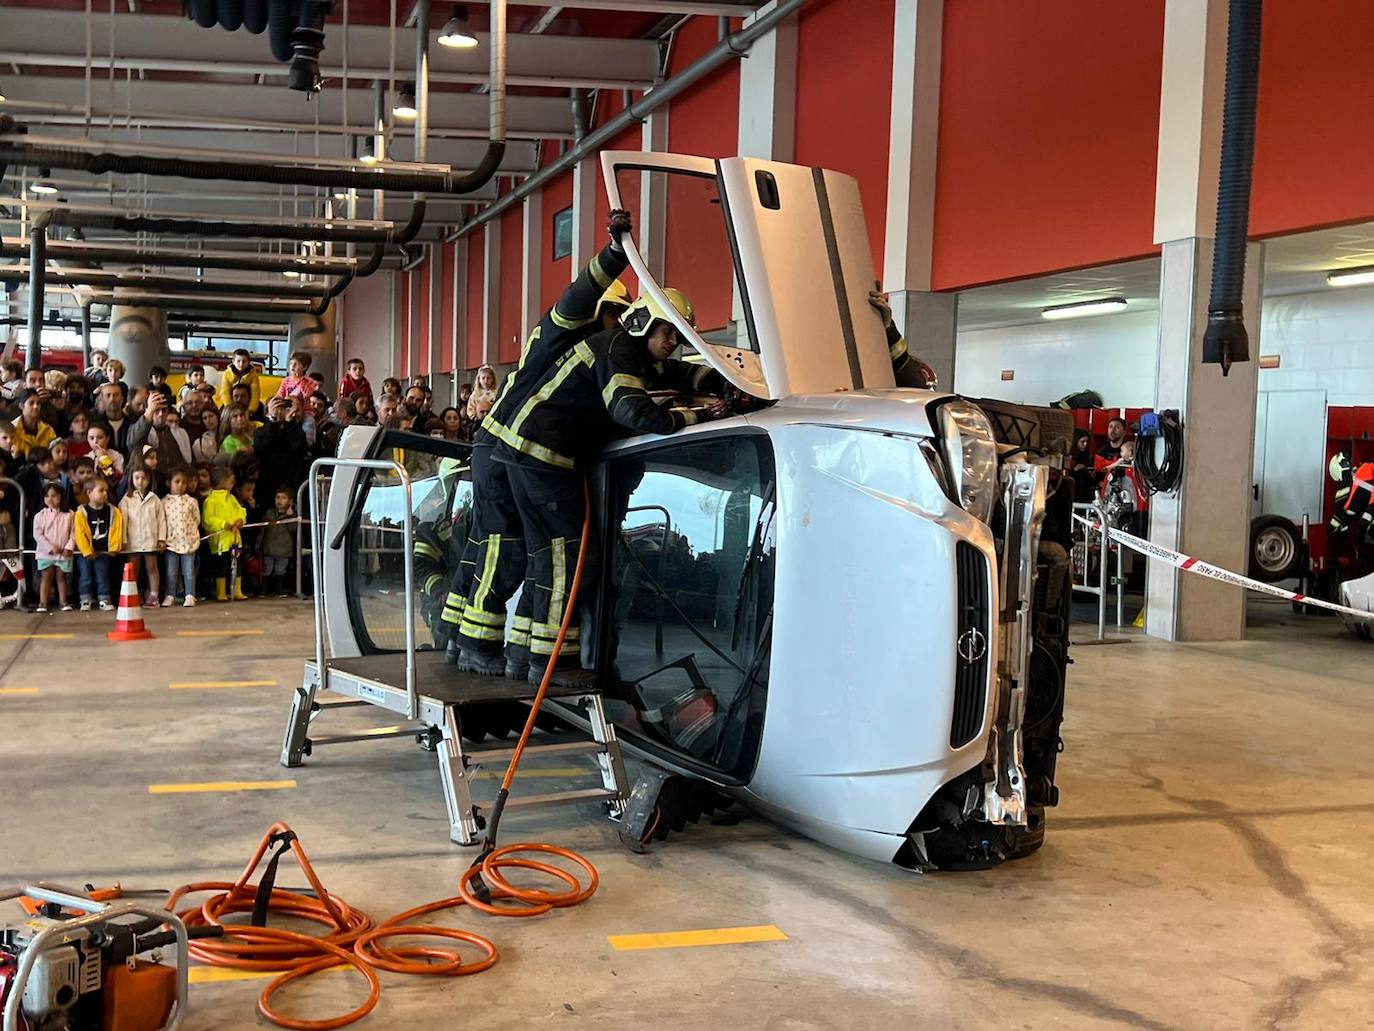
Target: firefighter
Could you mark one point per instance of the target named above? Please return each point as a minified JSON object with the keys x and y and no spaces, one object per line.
{"x":1354,"y":499}
{"x":592,"y":303}
{"x":909,"y":370}
{"x":439,"y":541}
{"x":594,"y":391}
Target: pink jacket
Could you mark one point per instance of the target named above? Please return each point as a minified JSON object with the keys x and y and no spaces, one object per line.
{"x":302,"y":388}
{"x":52,"y":533}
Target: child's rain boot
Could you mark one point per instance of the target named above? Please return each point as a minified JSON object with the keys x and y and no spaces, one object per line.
{"x":220,"y":593}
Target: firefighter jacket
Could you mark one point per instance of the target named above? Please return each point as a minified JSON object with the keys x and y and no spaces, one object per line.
{"x":571,"y":319}
{"x":593,"y":391}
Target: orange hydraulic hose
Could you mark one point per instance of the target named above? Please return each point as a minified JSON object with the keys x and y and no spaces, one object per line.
{"x":352,"y":937}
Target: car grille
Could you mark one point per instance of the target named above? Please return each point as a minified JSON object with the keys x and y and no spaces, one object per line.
{"x":973,"y":645}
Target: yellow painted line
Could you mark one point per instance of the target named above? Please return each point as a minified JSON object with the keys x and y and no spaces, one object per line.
{"x":10,"y":691}
{"x":689,"y":939}
{"x":189,"y":684}
{"x":36,"y":637}
{"x":212,"y":975}
{"x":217,"y":633}
{"x":561,"y":771}
{"x":221,"y":785}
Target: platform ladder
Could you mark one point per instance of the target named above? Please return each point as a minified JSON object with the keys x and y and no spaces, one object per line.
{"x":418,"y":685}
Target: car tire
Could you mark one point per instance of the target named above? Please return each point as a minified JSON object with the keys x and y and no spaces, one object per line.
{"x":1276,"y":549}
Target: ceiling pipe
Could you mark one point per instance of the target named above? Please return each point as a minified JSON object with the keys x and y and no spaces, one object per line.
{"x":304,"y":230}
{"x":229,"y":167}
{"x":733,"y":46}
{"x":174,"y":302}
{"x":171,"y":284}
{"x":114,"y":254}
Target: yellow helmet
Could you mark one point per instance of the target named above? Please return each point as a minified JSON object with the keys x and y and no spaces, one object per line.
{"x":639,"y":319}
{"x":616,"y":296}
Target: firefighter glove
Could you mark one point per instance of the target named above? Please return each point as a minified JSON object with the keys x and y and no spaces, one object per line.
{"x":880,"y":304}
{"x":620,"y":222}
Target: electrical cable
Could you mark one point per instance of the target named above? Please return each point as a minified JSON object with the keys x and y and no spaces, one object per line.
{"x":1166,"y":475}
{"x":352,"y":937}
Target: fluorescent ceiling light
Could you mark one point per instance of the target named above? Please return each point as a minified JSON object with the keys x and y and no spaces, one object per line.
{"x":1082,"y":309}
{"x":290,"y":273}
{"x":1362,"y":276}
{"x":405,"y":102}
{"x":455,"y":32}
{"x":369,"y":154}
{"x":42,"y":185}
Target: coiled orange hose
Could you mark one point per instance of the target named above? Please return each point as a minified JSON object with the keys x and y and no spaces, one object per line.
{"x":352,"y":937}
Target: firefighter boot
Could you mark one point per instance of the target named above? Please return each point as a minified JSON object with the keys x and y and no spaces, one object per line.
{"x":487,"y":665}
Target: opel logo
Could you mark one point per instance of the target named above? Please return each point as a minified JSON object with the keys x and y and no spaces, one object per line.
{"x":972,"y":645}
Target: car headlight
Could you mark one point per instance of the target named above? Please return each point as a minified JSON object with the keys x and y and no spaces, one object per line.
{"x":971,"y":455}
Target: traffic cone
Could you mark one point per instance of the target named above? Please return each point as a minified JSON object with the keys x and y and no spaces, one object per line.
{"x":129,"y":619}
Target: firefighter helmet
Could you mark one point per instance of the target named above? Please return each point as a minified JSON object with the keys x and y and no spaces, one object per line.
{"x":616,"y":298}
{"x":639,"y":319}
{"x":1339,"y":467}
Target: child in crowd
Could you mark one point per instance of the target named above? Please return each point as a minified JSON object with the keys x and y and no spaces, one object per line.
{"x":355,"y":379}
{"x":222,"y":518}
{"x":77,"y":444}
{"x":278,"y":543}
{"x":483,"y":394}
{"x":83,"y":472}
{"x":195,"y":377}
{"x":157,"y":383}
{"x":6,"y":439}
{"x":204,"y":482}
{"x":98,"y":437}
{"x":54,"y":543}
{"x":391,"y":385}
{"x":241,"y":370}
{"x":297,"y":383}
{"x":30,"y":431}
{"x":206,"y":446}
{"x":61,"y":456}
{"x":99,"y":535}
{"x":182,"y":513}
{"x":11,"y":381}
{"x":145,"y":529}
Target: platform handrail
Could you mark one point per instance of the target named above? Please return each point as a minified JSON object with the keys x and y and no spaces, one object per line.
{"x":1107,"y":546}
{"x":300,"y":532}
{"x":317,"y":569}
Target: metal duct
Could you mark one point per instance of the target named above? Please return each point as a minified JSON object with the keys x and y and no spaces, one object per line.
{"x":115,"y":254}
{"x":137,"y":281}
{"x":733,"y":46}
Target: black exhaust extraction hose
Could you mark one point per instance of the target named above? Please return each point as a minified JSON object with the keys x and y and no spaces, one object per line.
{"x":1225,"y":340}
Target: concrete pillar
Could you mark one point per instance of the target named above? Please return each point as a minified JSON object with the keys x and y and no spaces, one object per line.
{"x":926,"y":318}
{"x":315,"y":334}
{"x":531,"y":265}
{"x":1209,"y":517}
{"x":653,"y":196}
{"x":768,"y":92}
{"x":585,"y":234}
{"x":491,"y":291}
{"x":138,"y":338}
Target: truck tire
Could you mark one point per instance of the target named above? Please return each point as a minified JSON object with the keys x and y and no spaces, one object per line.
{"x":1276,"y":549}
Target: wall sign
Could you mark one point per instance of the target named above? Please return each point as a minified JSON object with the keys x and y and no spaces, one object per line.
{"x":1269,"y":361}
{"x":1008,"y":375}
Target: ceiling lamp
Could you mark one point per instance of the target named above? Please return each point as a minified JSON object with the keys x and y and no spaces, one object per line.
{"x":43,"y":186}
{"x":455,"y":32}
{"x":369,"y":154}
{"x":405,"y":102}
{"x":1362,"y":276}
{"x":1082,"y":309}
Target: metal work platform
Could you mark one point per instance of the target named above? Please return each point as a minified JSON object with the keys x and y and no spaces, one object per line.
{"x":420,"y":686}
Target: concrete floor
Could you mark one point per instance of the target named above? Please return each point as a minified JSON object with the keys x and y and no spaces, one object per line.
{"x":1208,"y":866}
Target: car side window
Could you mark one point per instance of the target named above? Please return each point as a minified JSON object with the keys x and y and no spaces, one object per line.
{"x":689,"y":596}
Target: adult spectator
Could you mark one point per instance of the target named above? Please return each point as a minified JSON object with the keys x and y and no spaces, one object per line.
{"x":109,"y":405}
{"x":451,"y":423}
{"x":151,"y":428}
{"x":194,"y":409}
{"x":280,"y":447}
{"x":415,"y":400}
{"x":388,"y":412}
{"x":329,"y":430}
{"x":241,"y":394}
{"x":30,"y":431}
{"x":55,"y":411}
{"x":1116,"y":436}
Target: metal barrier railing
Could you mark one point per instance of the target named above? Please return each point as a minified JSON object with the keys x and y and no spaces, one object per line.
{"x":1089,"y":515}
{"x":317,"y":565}
{"x":301,"y":549}
{"x":22,"y":528}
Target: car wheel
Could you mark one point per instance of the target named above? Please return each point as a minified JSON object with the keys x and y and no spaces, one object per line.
{"x":1276,"y":549}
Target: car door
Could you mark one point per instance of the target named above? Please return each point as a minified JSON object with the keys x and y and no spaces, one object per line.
{"x":775,"y":258}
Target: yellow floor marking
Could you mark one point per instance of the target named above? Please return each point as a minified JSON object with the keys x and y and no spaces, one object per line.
{"x":217,"y":633}
{"x":221,"y":785}
{"x":561,"y":771}
{"x":211,"y":975}
{"x":18,"y":690}
{"x":687,"y":939}
{"x":36,"y":637}
{"x":188,"y":684}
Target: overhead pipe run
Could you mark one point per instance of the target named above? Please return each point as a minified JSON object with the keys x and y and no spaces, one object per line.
{"x":136,"y":281}
{"x":1225,"y":339}
{"x":733,"y":46}
{"x":174,"y":302}
{"x":337,"y":231}
{"x":115,"y":254}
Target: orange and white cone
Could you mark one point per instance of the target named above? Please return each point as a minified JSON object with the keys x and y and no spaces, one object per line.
{"x":129,"y":619}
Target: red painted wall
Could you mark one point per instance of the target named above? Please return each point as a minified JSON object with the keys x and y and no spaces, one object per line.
{"x":403,"y":325}
{"x":447,"y":270}
{"x":844,"y":98}
{"x":472,"y":337}
{"x":705,"y":119}
{"x":421,"y":345}
{"x":1313,"y":159}
{"x":1049,"y":125}
{"x":512,"y":263}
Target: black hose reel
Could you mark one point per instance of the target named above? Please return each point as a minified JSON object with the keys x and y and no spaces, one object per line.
{"x":295,"y":30}
{"x":1225,"y":340}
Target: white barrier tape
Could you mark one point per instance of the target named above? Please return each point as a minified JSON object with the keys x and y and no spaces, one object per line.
{"x":1189,"y":564}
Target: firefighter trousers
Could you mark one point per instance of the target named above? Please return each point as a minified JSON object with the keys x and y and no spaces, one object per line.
{"x":497,"y":549}
{"x":550,"y":503}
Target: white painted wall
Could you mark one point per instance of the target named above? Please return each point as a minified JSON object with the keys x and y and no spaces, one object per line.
{"x":1324,"y":341}
{"x":368,"y":326}
{"x":1112,"y":354}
